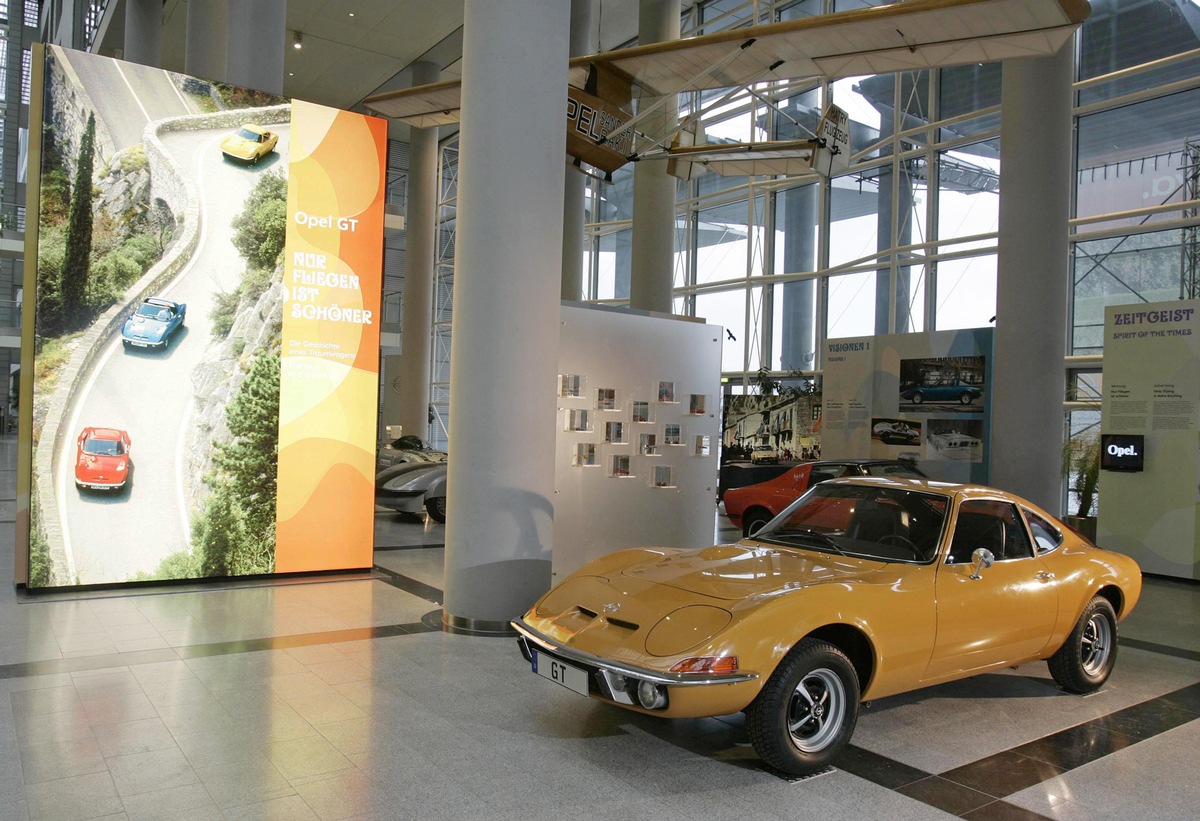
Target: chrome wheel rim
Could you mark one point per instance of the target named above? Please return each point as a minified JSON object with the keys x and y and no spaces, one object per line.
{"x":816,"y":710}
{"x":1096,"y":645}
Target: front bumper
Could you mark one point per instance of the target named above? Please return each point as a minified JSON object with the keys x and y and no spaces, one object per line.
{"x":690,"y":696}
{"x":89,"y":485}
{"x":139,"y":342}
{"x":401,"y":501}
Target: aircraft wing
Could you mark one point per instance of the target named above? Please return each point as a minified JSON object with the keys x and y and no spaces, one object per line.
{"x":745,"y":159}
{"x":902,"y":36}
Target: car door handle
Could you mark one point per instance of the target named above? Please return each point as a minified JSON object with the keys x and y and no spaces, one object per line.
{"x":1045,"y":576}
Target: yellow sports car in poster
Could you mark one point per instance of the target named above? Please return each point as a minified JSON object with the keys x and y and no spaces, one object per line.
{"x":250,"y":143}
{"x":862,"y":588}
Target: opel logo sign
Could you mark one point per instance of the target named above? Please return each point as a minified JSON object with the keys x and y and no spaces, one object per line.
{"x":612,"y":607}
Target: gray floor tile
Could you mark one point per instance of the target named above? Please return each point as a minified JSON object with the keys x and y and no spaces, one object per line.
{"x":151,"y":771}
{"x":74,"y":799}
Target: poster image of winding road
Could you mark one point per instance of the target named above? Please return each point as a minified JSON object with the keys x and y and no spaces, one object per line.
{"x":143,"y":193}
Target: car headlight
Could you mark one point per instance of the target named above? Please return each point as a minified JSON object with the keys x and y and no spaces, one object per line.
{"x":685,"y":628}
{"x":121,"y":466}
{"x":403,"y":484}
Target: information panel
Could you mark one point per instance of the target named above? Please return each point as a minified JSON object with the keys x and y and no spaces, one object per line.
{"x":1152,"y":390}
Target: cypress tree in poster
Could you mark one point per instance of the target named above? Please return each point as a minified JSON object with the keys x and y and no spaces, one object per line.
{"x":79,"y":230}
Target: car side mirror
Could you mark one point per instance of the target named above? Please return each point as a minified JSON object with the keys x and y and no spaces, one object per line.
{"x":983,"y":558}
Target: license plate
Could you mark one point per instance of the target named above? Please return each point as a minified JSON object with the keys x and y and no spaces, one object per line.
{"x":570,"y":677}
{"x":138,"y":344}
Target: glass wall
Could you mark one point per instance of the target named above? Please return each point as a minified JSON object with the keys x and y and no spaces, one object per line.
{"x":906,"y":240}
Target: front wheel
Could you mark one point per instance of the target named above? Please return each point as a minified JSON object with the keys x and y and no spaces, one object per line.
{"x":1086,"y":659}
{"x":806,"y":712}
{"x":966,"y":398}
{"x":436,"y":507}
{"x":918,"y":398}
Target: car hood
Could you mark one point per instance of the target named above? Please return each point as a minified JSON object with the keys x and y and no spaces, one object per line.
{"x":675,"y":600}
{"x":93,"y":465}
{"x":233,"y":144}
{"x":145,"y":325}
{"x":739,"y":571}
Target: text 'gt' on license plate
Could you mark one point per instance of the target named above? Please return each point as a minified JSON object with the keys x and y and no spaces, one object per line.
{"x":570,"y":677}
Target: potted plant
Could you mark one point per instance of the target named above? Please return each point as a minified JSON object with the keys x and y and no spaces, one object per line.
{"x":1081,"y":466}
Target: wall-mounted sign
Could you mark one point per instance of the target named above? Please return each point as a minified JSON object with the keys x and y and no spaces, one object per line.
{"x":1122,"y":452}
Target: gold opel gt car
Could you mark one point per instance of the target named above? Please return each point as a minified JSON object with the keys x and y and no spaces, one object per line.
{"x":250,"y":143}
{"x":861,"y":588}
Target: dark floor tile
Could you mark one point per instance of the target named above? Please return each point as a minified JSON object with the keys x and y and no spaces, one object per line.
{"x":945,"y":795}
{"x":1076,"y":746}
{"x":1002,"y":811}
{"x":1003,"y":774}
{"x":1146,"y":720}
{"x":878,"y":769}
{"x":1187,"y":699}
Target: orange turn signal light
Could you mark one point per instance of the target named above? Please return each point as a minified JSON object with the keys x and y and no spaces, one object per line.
{"x":707,"y":664}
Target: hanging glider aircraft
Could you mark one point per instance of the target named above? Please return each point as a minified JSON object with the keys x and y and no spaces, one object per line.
{"x":911,"y":35}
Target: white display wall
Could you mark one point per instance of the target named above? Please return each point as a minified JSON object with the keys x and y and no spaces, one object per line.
{"x":638,"y":431}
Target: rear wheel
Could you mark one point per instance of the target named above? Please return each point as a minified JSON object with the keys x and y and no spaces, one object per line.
{"x":918,"y":398}
{"x":806,"y":712}
{"x":966,"y":398}
{"x":1086,"y":658}
{"x":436,"y":507}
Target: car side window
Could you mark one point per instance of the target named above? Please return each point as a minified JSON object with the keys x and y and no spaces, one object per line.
{"x":992,"y":525}
{"x":1046,"y":537}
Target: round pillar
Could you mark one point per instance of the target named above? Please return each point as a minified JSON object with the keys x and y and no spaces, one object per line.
{"x":420,"y":227}
{"x":204,"y":49}
{"x":257,"y":34}
{"x":1033,"y":276}
{"x":575,"y":184}
{"x":506,"y":311}
{"x":143,"y":32}
{"x":653,"y":268}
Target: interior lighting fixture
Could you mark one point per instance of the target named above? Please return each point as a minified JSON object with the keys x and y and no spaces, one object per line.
{"x":298,"y":40}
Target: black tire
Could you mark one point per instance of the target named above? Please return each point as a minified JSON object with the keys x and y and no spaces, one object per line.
{"x":166,"y":341}
{"x":806,"y":712}
{"x":436,"y":507}
{"x":917,"y":398}
{"x":966,"y":398}
{"x":1086,"y":659}
{"x":754,"y":519}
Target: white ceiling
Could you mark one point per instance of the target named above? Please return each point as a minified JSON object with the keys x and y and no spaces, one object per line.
{"x":345,"y":58}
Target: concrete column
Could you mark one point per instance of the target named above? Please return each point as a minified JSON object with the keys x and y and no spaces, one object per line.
{"x":1033,"y":277}
{"x":420,"y":226}
{"x":257,"y":35}
{"x":652,"y":275}
{"x":143,"y":31}
{"x":798,"y":339}
{"x":204,"y":48}
{"x":505,"y":333}
{"x":575,"y":183}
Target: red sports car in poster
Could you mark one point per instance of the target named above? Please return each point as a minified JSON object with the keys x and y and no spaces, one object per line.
{"x":102,"y":459}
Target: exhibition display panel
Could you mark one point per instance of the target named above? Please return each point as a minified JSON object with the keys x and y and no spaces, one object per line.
{"x":202,"y":353}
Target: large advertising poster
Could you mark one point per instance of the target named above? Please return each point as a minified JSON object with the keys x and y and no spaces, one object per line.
{"x":207,"y":276}
{"x":1152,"y":391}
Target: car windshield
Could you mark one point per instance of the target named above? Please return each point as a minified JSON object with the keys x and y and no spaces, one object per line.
{"x":104,"y":447}
{"x":882,"y":523}
{"x":247,"y":134}
{"x":152,"y":311}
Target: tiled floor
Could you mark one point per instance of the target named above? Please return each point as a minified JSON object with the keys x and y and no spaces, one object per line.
{"x":338,"y":700}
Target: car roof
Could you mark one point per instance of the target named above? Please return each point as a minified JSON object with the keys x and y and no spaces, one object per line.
{"x":932,"y":485}
{"x":153,"y":300}
{"x":257,"y":129}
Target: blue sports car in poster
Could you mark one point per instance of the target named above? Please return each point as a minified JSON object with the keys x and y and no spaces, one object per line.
{"x":153,"y":323}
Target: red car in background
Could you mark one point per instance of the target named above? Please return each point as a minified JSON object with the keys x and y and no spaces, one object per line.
{"x":752,"y":506}
{"x":102,"y":459}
